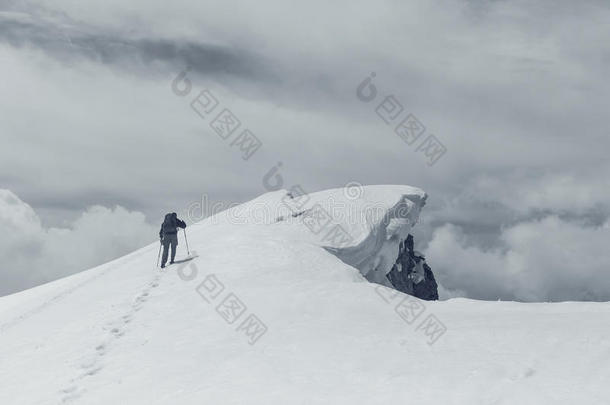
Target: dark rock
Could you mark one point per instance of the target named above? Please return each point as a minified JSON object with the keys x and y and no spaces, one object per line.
{"x":411,"y":275}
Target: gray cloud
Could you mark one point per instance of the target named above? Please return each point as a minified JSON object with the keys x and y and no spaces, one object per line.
{"x":68,"y":40}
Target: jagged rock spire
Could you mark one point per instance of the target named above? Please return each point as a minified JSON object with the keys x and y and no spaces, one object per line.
{"x":411,"y":274}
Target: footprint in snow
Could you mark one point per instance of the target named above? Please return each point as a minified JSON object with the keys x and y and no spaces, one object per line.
{"x":117,"y":332}
{"x":71,"y":393}
{"x":92,"y":372}
{"x":90,"y":363}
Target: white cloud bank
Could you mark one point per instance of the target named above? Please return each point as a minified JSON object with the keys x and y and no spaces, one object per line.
{"x":33,"y":254}
{"x":546,"y":260}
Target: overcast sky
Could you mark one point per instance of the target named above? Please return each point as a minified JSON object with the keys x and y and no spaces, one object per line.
{"x":97,"y":146}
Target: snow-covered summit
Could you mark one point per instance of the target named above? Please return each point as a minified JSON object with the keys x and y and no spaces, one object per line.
{"x":362,"y":225}
{"x":275,"y":310}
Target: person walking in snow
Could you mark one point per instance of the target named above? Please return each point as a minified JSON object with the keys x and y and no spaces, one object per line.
{"x":169,"y":235}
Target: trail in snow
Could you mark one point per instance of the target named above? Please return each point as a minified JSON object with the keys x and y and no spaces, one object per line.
{"x":92,"y":364}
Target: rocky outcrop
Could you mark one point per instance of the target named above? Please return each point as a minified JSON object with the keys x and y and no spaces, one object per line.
{"x":411,"y":275}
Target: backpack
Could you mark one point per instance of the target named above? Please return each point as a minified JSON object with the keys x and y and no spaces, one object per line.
{"x":170,"y":224}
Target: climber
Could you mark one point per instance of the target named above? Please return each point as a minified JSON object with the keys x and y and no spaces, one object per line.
{"x":169,"y":235}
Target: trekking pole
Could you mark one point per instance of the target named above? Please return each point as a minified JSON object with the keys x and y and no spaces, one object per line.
{"x":187,"y":242}
{"x":159,"y":255}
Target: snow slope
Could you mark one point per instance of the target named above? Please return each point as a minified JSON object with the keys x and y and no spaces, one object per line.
{"x":127,"y":333}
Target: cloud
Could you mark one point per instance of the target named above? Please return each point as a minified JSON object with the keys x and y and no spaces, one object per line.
{"x":35,"y":255}
{"x":577,"y":190}
{"x":64,"y":39}
{"x":545,"y":260}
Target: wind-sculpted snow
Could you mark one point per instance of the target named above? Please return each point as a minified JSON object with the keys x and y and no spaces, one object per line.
{"x":375,"y":254}
{"x":364,"y":228}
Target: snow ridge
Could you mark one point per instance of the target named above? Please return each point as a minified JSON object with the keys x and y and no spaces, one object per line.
{"x":127,"y":333}
{"x":373,"y":221}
